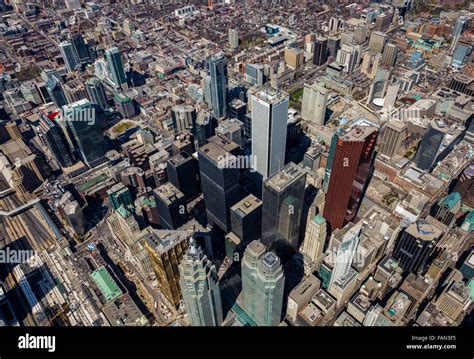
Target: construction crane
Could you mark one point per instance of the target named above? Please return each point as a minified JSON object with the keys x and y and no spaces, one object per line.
{"x":63,"y":310}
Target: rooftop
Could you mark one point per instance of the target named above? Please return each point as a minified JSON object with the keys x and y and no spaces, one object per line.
{"x":107,"y":286}
{"x":247,"y":205}
{"x":283,"y":178}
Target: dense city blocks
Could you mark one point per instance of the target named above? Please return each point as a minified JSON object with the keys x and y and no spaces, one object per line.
{"x":236,"y":163}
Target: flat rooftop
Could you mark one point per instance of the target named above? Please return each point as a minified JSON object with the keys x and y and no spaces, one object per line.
{"x":270,"y":95}
{"x":164,"y":240}
{"x":304,"y":291}
{"x":247,"y":205}
{"x":324,"y":300}
{"x":424,"y":230}
{"x":218,"y":147}
{"x":358,"y":133}
{"x":168,"y":193}
{"x":107,"y":286}
{"x":283,"y":178}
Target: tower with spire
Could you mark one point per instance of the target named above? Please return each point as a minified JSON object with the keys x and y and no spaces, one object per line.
{"x":200,"y":288}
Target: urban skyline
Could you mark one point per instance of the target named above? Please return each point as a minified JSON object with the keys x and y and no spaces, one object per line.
{"x":234,"y":164}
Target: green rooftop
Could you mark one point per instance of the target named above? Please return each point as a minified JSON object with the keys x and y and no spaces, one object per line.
{"x":318,"y":219}
{"x":290,"y":200}
{"x":86,"y":185}
{"x":122,"y":98}
{"x":470,"y":285}
{"x":470,"y":217}
{"x":124,"y":212}
{"x":107,"y":286}
{"x":150,"y":202}
{"x":451,"y":200}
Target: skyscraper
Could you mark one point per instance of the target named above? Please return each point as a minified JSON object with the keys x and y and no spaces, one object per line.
{"x":320,"y":55}
{"x":415,"y":244}
{"x":314,"y":240}
{"x":82,"y":120}
{"x":262,"y":285}
{"x":183,"y":173}
{"x":269,"y":128}
{"x":246,"y":219}
{"x":389,"y":57}
{"x":345,"y":253}
{"x":219,"y":179}
{"x":55,"y":91}
{"x":349,"y":166}
{"x":119,"y":196}
{"x":334,"y":45}
{"x":115,"y":66}
{"x":254,"y":74}
{"x":171,"y":205}
{"x":430,"y":144}
{"x":184,"y":118}
{"x":283,"y":197}
{"x":461,"y":24}
{"x":446,"y":209}
{"x":314,"y":103}
{"x":200,"y":288}
{"x":69,"y":56}
{"x":218,"y":72}
{"x":393,"y":135}
{"x":79,"y":47}
{"x":349,"y":56}
{"x":52,"y":135}
{"x":377,"y":41}
{"x":233,"y":38}
{"x":166,"y":252}
{"x":95,"y":91}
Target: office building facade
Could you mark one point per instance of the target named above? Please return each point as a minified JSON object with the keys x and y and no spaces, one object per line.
{"x":83,"y":122}
{"x":349,"y":167}
{"x":283,"y":197}
{"x":314,"y":103}
{"x":415,"y":244}
{"x":96,"y":92}
{"x":200,"y":288}
{"x":219,"y":179}
{"x":320,"y":55}
{"x":246,"y":219}
{"x":262,"y":285}
{"x":218,"y":85}
{"x":392,"y":137}
{"x":115,"y":67}
{"x":430,"y":144}
{"x":269,"y":129}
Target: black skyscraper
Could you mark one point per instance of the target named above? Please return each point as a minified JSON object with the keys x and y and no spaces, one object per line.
{"x":220,"y":179}
{"x":416,"y":244}
{"x":183,"y":173}
{"x":283,"y":199}
{"x":320,"y":51}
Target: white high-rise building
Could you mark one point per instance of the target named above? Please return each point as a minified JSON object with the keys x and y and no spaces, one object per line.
{"x":269,"y":128}
{"x":315,"y":237}
{"x":334,"y":25}
{"x":314,"y":103}
{"x":233,"y":38}
{"x":349,"y":56}
{"x":345,"y":253}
